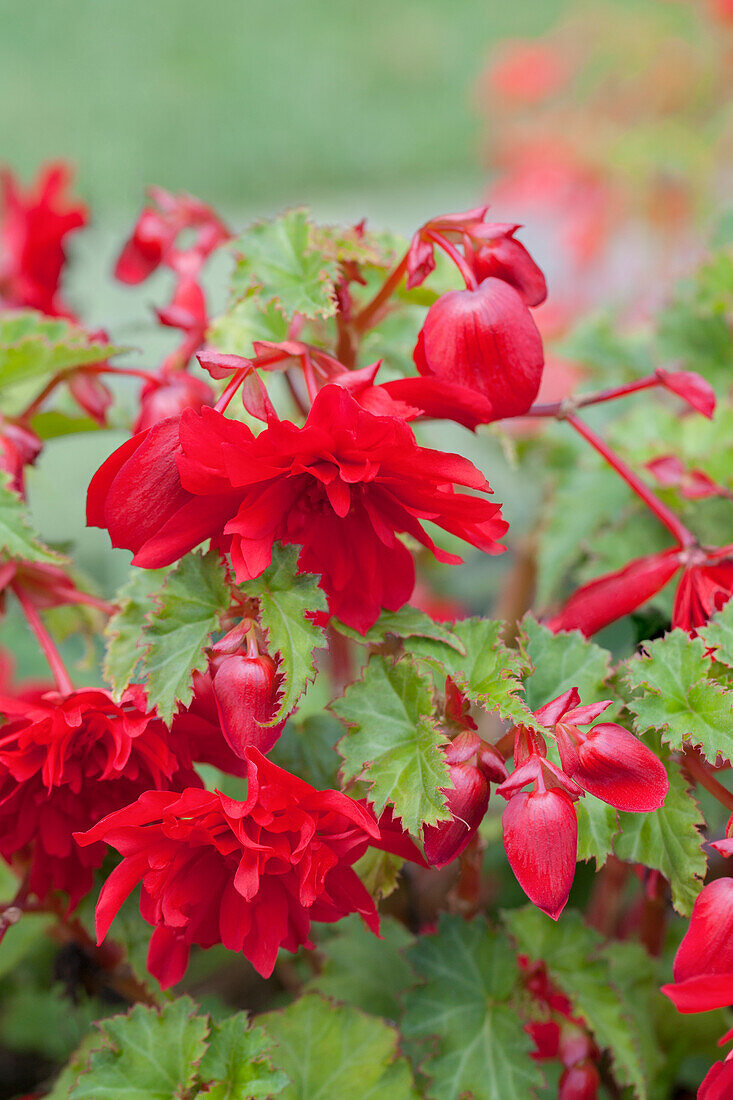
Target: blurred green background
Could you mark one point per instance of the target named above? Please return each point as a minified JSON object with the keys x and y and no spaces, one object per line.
{"x":250,"y":102}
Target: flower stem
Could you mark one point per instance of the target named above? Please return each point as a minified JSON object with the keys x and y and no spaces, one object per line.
{"x":664,"y":514}
{"x":461,"y":263}
{"x":698,"y":770}
{"x":562,"y":408}
{"x":50,"y":652}
{"x":365,"y":318}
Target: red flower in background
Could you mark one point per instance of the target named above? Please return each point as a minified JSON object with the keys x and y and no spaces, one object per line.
{"x":252,"y":875}
{"x":341,"y":487}
{"x":33,"y":228}
{"x":169,"y":395}
{"x":65,"y":762}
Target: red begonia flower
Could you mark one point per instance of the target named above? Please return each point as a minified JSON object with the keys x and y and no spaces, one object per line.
{"x":91,"y":395}
{"x":614,"y":595}
{"x":169,"y":396}
{"x":718,"y":1083}
{"x":33,"y":228}
{"x":19,"y":447}
{"x":703,"y":965}
{"x":579,"y":1082}
{"x":154,"y":237}
{"x":66,"y":761}
{"x":524,"y":72}
{"x":693,"y":484}
{"x":607,"y":761}
{"x":252,"y":875}
{"x":341,"y":487}
{"x":703,"y":590}
{"x":485,"y":340}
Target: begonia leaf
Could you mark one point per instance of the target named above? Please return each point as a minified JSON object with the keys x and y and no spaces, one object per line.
{"x":363,"y":971}
{"x":235,"y":331}
{"x":35,"y":347}
{"x":352,"y":244}
{"x":718,"y":635}
{"x":330,"y":1051}
{"x":124,"y":629}
{"x":675,"y":694}
{"x":408,"y":622}
{"x":238,"y":1063}
{"x":575,"y":960}
{"x":17,"y":537}
{"x":477,"y":1045}
{"x":394,"y":743}
{"x":145,"y":1055}
{"x":668,"y":839}
{"x":281,"y":258}
{"x":188,"y":609}
{"x":307,"y":747}
{"x":483,"y":667}
{"x":287,"y":601}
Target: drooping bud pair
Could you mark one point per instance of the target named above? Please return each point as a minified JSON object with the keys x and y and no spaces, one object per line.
{"x":246,"y":687}
{"x":540,"y":826}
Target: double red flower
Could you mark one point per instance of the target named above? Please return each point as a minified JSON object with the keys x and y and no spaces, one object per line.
{"x":65,"y":761}
{"x":251,"y":875}
{"x":341,"y":487}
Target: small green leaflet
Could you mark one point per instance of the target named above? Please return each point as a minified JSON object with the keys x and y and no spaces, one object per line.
{"x":485,"y":669}
{"x":17,"y":537}
{"x":235,"y":331}
{"x":188,"y":609}
{"x":33,"y":346}
{"x":575,"y":960}
{"x":146,"y":1055}
{"x":124,"y":632}
{"x":718,"y":635}
{"x":668,"y":839}
{"x":675,"y":695}
{"x":364,"y":971}
{"x":395,"y":743}
{"x":408,"y":622}
{"x":239,"y":1062}
{"x":286,"y":597}
{"x":331,"y":1052}
{"x":462,"y":1009}
{"x":281,"y":259}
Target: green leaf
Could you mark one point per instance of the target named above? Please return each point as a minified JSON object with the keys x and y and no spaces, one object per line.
{"x":486,"y":670}
{"x":347,"y":244}
{"x":33,"y":346}
{"x":668,"y":840}
{"x":281,"y":258}
{"x":286,"y":599}
{"x":364,"y":971}
{"x":479,"y":1046}
{"x":395,"y":743}
{"x":188,"y":609}
{"x":238,"y":1063}
{"x":675,"y":695}
{"x":307,"y":747}
{"x":572,"y":954}
{"x":147,"y":1055}
{"x":235,"y":331}
{"x":380,"y":872}
{"x":408,"y":622}
{"x":17,"y":538}
{"x":51,"y":424}
{"x":718,"y":635}
{"x":124,"y":630}
{"x":330,"y":1052}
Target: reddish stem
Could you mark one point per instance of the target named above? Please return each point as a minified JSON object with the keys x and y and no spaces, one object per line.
{"x":231,"y":388}
{"x":562,"y":408}
{"x":365,"y":318}
{"x":50,"y":652}
{"x":699,"y":771}
{"x":665,"y":516}
{"x":461,"y":263}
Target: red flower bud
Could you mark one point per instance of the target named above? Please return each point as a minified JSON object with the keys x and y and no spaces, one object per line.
{"x":703,"y":965}
{"x":575,"y":1044}
{"x":612,"y":764}
{"x":245,"y":688}
{"x":19,"y":447}
{"x":580,"y":1082}
{"x":486,"y":340}
{"x":504,"y":258}
{"x":467,"y":801}
{"x":541,"y":840}
{"x":718,"y":1083}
